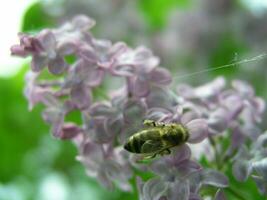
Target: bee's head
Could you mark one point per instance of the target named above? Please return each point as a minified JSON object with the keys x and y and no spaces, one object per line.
{"x":127,"y":146}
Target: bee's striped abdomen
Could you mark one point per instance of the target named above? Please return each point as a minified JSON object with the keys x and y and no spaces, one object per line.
{"x":135,"y":142}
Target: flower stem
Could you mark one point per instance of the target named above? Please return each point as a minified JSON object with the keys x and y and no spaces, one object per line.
{"x":235,"y":193}
{"x":217,"y":156}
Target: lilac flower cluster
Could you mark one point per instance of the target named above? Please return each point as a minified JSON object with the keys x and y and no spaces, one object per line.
{"x":143,"y":92}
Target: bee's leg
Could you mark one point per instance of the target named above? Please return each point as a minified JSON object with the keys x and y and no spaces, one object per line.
{"x":151,"y":156}
{"x":168,"y":151}
{"x":152,"y":123}
{"x":147,"y":158}
{"x":149,"y":123}
{"x":165,"y":152}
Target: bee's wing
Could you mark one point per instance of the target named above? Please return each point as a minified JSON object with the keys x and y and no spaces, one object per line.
{"x":151,"y":146}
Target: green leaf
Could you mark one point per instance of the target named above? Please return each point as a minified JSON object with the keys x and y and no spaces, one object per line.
{"x":156,"y":12}
{"x":20,"y":129}
{"x":227,"y":51}
{"x":36,"y":18}
{"x":247,"y":189}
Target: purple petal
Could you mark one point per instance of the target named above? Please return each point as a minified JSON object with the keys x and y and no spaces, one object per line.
{"x":210,"y":89}
{"x":179,"y":154}
{"x":103,"y":178}
{"x":142,"y":53}
{"x":140,"y":185}
{"x":234,"y":104}
{"x":118,"y":100}
{"x":261,"y":168}
{"x":68,"y":106}
{"x":159,"y":168}
{"x":186,"y":91}
{"x":66,"y":48}
{"x":261,"y":141}
{"x":30,"y":89}
{"x":117,"y":49}
{"x":218,"y":120}
{"x":179,"y":190}
{"x":82,"y":72}
{"x":133,"y":110}
{"x":101,"y":47}
{"x":141,"y":87}
{"x":101,"y":110}
{"x":118,"y":172}
{"x":100,"y":134}
{"x":17,"y":50}
{"x":141,"y":57}
{"x":122,"y":70}
{"x":214,"y":178}
{"x":83,"y":22}
{"x":113,"y":126}
{"x":153,"y":189}
{"x":52,"y":115}
{"x":188,"y":167}
{"x":92,"y":151}
{"x":243,"y":88}
{"x":76,"y":74}
{"x":160,"y":97}
{"x":38,"y":63}
{"x":95,"y":77}
{"x":220,"y":195}
{"x":160,"y":76}
{"x":241,"y":169}
{"x":34,"y":95}
{"x":57,"y":66}
{"x":81,"y":96}
{"x":157,"y":114}
{"x":56,"y":118}
{"x":88,"y":54}
{"x":251,"y":131}
{"x":69,"y":131}
{"x":261,"y":184}
{"x":47,"y":40}
{"x":48,"y":99}
{"x":198,"y":130}
{"x":259,"y":104}
{"x":189,"y":116}
{"x":237,"y":138}
{"x":28,"y":45}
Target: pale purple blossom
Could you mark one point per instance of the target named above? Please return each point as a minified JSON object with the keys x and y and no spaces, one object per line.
{"x":253,"y":162}
{"x":179,"y":178}
{"x":104,"y":163}
{"x":143,"y":92}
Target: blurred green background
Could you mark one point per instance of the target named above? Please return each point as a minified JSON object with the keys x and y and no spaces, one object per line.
{"x":188,"y":36}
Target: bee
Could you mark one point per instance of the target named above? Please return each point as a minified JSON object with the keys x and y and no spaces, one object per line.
{"x":157,"y":138}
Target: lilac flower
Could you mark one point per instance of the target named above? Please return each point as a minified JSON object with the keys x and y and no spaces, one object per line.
{"x":104,"y":163}
{"x":225,"y":108}
{"x":106,"y":119}
{"x":49,"y":47}
{"x":180,"y":178}
{"x":43,"y":50}
{"x":252,"y":161}
{"x":143,"y":93}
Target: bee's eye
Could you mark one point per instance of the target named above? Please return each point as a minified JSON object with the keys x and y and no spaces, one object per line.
{"x":165,"y":136}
